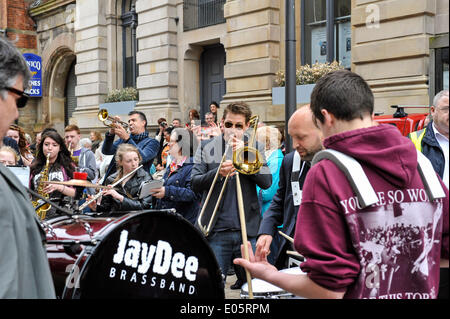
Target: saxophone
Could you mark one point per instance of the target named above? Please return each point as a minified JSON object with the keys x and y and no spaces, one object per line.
{"x":75,"y":159}
{"x":42,"y":211}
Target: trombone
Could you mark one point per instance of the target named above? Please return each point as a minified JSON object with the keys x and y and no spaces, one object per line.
{"x":246,"y":160}
{"x":107,"y":120}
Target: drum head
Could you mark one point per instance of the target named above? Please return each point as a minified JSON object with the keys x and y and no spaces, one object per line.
{"x":265,"y":290}
{"x":151,"y":255}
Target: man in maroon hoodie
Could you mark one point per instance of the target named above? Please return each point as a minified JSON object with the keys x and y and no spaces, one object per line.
{"x":389,"y":250}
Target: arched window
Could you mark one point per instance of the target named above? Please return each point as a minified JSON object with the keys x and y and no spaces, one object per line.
{"x":129,"y":42}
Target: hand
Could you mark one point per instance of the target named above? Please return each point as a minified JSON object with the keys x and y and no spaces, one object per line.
{"x":158,"y":192}
{"x":113,"y":193}
{"x":112,"y":129}
{"x":236,"y":143}
{"x":258,"y":267}
{"x":227,"y":168}
{"x":121,"y":132}
{"x":93,"y":204}
{"x":196,"y":129}
{"x":50,"y":188}
{"x":215,"y":131}
{"x":263,"y":246}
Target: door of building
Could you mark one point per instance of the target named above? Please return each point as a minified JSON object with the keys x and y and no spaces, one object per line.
{"x":71,"y":99}
{"x":212,"y":81}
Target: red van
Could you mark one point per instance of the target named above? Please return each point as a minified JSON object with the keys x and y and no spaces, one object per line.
{"x":405,"y":122}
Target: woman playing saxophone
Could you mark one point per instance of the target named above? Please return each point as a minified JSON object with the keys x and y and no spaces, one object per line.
{"x":59,"y":167}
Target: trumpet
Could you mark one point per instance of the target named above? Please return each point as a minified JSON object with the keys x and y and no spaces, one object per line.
{"x":109,"y":120}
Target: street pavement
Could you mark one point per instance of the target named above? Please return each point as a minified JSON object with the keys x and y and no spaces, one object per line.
{"x":231,"y":294}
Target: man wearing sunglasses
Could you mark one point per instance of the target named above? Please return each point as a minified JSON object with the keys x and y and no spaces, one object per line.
{"x":24,"y":268}
{"x":225,"y":235}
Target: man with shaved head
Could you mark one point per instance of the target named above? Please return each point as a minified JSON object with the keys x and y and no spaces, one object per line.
{"x":307,"y":141}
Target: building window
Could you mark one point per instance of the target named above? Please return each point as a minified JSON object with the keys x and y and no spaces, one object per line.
{"x":441,"y":69}
{"x":438,"y":76}
{"x":202,"y":13}
{"x":129,"y":43}
{"x":326,"y":31}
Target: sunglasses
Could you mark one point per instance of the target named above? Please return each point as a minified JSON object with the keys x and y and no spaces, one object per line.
{"x":22,"y":100}
{"x":239,"y":126}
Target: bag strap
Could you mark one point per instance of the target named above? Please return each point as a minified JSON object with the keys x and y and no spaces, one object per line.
{"x":360,"y":183}
{"x":430,"y":180}
{"x":354,"y":173}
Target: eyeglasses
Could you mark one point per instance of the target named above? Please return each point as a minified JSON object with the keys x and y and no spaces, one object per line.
{"x":239,"y":126}
{"x":22,"y":100}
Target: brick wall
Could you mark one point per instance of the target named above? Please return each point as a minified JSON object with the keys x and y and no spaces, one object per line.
{"x":20,"y":27}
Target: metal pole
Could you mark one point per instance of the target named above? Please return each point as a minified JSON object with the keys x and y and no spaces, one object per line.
{"x":291,"y":95}
{"x":330,"y":30}
{"x":134,"y":22}
{"x":303,"y":32}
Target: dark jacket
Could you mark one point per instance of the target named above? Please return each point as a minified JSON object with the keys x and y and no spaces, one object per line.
{"x":179,"y":194}
{"x":207,"y":159}
{"x":282,"y":210}
{"x":130,"y":191}
{"x":431,"y":149}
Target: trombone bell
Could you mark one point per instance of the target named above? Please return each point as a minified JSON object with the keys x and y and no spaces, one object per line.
{"x":247,"y":160}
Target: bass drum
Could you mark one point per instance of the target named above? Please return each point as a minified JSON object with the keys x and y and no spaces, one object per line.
{"x":146,"y":254}
{"x":265,"y":290}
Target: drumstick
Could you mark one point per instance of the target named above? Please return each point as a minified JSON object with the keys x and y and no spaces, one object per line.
{"x":244,"y":233}
{"x":294,"y":253}
{"x":286,"y":236}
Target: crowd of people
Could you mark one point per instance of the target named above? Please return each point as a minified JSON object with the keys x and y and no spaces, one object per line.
{"x":308,"y":202}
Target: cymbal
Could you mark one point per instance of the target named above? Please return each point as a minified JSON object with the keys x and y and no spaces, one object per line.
{"x":77,"y":182}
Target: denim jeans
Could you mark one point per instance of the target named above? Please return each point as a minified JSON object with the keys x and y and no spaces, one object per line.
{"x":226,"y":246}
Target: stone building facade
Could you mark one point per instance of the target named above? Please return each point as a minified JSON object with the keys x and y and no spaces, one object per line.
{"x":19,"y":27}
{"x":182,"y":54}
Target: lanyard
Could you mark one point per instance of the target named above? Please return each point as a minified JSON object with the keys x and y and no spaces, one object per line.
{"x":295,"y":177}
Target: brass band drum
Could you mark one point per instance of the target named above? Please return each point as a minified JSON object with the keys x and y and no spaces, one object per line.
{"x":145,"y":254}
{"x":264,"y":290}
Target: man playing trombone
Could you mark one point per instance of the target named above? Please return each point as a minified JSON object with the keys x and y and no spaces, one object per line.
{"x":219,"y":218}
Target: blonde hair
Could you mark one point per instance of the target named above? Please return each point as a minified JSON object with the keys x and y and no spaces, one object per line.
{"x":269,"y":136}
{"x":121,"y":150}
{"x":9,"y":149}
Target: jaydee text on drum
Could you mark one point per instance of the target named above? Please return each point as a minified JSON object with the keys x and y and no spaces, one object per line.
{"x":129,"y":252}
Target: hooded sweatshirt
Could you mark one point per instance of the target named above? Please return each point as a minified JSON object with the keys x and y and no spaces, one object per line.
{"x":389,"y":250}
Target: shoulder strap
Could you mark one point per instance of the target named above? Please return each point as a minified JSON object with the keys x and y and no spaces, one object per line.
{"x":430,"y":180}
{"x":361,"y":185}
{"x":354,"y":173}
{"x":417,"y":137}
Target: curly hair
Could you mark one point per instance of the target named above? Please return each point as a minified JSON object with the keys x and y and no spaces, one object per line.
{"x":22,"y":139}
